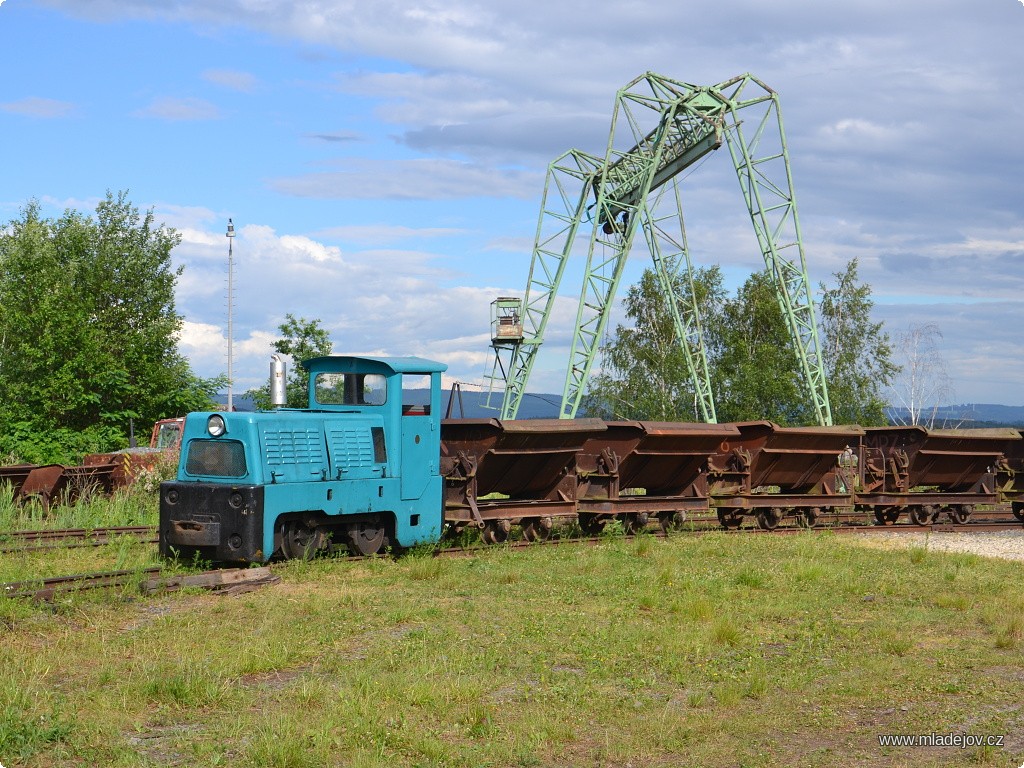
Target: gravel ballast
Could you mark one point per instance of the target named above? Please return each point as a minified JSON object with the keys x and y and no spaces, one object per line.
{"x":1005,"y":544}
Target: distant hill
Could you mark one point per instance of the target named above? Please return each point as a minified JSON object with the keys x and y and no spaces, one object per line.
{"x":473,"y":404}
{"x":971,"y":415}
{"x":239,"y":402}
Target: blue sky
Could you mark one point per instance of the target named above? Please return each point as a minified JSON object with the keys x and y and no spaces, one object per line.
{"x":384,"y":161}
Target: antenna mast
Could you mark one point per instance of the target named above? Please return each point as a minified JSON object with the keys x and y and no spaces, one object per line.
{"x":231,"y":291}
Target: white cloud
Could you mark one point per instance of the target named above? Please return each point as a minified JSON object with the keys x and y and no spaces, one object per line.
{"x":376,"y":234}
{"x":426,"y":98}
{"x":861,"y":131}
{"x":199,"y":237}
{"x":263,"y":244}
{"x":231,"y":78}
{"x":171,"y":108}
{"x":36,"y":106}
{"x":385,"y":301}
{"x":419,"y":179}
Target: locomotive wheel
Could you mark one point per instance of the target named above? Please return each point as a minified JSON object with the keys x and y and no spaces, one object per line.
{"x":495,"y":531}
{"x":537,"y":528}
{"x":959,"y":514}
{"x":366,"y":537}
{"x":671,"y":521}
{"x":591,"y":525}
{"x":768,"y":519}
{"x":1018,"y":510}
{"x":729,"y":519}
{"x":634,"y":522}
{"x":299,"y":541}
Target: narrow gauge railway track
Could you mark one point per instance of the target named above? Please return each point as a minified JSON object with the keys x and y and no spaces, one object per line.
{"x":48,"y":588}
{"x":688,"y":530}
{"x":148,"y":580}
{"x":69,"y":538}
{"x":235,"y":580}
{"x":979,"y":526}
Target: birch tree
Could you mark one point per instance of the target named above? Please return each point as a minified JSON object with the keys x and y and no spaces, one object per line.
{"x":922,"y":385}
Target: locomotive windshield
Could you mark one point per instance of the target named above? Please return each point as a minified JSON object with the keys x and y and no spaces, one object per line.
{"x":216,"y":458}
{"x":350,"y":389}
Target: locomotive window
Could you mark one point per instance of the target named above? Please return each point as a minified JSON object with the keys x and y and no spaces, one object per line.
{"x":217,"y":458}
{"x":351,"y":389}
{"x":416,"y":394}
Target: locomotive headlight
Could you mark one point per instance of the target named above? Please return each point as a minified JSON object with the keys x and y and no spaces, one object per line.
{"x":215,"y":425}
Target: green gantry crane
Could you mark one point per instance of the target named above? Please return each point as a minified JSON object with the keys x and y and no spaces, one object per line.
{"x":659,"y":128}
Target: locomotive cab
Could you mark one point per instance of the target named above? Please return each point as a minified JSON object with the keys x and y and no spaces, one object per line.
{"x":357,"y":469}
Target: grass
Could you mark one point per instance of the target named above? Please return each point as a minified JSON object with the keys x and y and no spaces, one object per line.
{"x":696,"y":651}
{"x":122,"y":553}
{"x":124,"y":508}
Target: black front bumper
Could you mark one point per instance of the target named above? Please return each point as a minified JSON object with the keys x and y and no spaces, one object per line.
{"x":223,"y":523}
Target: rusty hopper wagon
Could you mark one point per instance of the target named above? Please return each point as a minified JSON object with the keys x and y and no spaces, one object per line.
{"x":1011,"y":478}
{"x":498,"y":473}
{"x":51,"y":484}
{"x":635,"y":469}
{"x":771,"y":472}
{"x":930,"y":472}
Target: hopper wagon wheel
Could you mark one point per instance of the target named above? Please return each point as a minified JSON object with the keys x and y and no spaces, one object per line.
{"x":960,"y":514}
{"x":921,"y":515}
{"x":634,"y":522}
{"x":495,"y":531}
{"x":537,"y":528}
{"x":672,"y":521}
{"x":366,"y":537}
{"x":300,"y":541}
{"x":808,"y":518}
{"x":886,"y":515}
{"x":768,"y":519}
{"x":591,"y":525}
{"x":1018,"y":510}
{"x":452,"y":531}
{"x":728,"y":518}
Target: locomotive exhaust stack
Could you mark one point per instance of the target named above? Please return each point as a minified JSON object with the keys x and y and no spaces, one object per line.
{"x":278,"y":382}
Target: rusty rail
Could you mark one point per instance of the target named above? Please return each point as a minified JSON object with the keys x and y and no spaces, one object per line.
{"x":68,"y":538}
{"x":149,"y":581}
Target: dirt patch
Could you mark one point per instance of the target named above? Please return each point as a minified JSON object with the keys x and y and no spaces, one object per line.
{"x":272,"y":681}
{"x":158,"y":742}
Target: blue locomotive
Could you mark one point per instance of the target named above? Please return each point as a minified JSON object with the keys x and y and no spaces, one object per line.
{"x":358,"y":469}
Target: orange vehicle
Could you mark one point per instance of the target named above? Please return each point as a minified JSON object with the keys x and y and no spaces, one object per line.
{"x":167,"y":433}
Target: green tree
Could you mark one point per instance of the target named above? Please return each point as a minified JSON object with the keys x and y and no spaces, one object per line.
{"x":643,"y":369}
{"x":857,"y":352}
{"x":301,"y":339}
{"x":756,"y":373}
{"x":88,"y":331}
